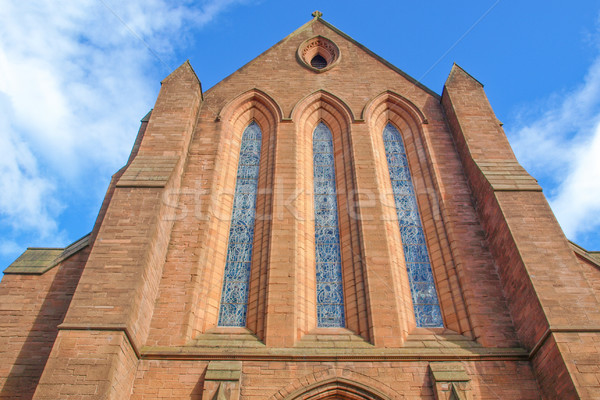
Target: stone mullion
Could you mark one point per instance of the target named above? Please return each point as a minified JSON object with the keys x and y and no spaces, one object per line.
{"x":449,"y":289}
{"x":357,"y":315}
{"x":262,"y":234}
{"x":281,"y":304}
{"x":383,"y":287}
{"x":304,"y":207}
{"x":363,"y":317}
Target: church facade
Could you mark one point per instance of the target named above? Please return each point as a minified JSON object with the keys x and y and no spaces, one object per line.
{"x":318,"y":225}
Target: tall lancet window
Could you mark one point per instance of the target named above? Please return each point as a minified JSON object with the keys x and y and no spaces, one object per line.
{"x":234,"y":295}
{"x":330,"y":297}
{"x":424,"y":295}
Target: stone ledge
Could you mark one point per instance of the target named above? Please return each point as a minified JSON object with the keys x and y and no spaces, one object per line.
{"x":39,"y":260}
{"x":224,"y":371}
{"x":507,"y":175}
{"x":227,"y":338}
{"x":323,"y":338}
{"x":148,"y":171}
{"x":334,"y":354}
{"x":448,"y":372}
{"x":591,"y":256}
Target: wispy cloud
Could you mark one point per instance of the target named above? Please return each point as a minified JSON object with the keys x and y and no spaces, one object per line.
{"x":561,"y":146}
{"x":577,"y":202}
{"x":74,"y":81}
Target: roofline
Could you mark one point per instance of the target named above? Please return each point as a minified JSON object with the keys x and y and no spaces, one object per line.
{"x":378,"y":57}
{"x":456,"y":66}
{"x":291,"y":35}
{"x":347,"y":37}
{"x":585,"y":254}
{"x":67,"y":252}
{"x":189,"y":65}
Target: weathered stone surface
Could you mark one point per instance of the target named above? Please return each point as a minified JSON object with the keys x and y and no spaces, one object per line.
{"x":134,"y":314}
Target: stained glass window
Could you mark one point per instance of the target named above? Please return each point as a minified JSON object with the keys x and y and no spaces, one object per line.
{"x":422,"y":286}
{"x":330,"y":297}
{"x":234,"y":295}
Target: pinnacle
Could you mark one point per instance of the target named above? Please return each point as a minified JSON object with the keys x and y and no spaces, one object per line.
{"x":317,"y":14}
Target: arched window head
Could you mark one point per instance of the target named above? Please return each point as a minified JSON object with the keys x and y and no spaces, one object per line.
{"x":424,"y":296}
{"x":234,"y":295}
{"x":330,"y":296}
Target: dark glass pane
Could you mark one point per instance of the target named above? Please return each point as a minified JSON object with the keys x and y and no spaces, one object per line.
{"x":425,"y":300}
{"x":318,"y":62}
{"x":234,"y":295}
{"x":330,"y":296}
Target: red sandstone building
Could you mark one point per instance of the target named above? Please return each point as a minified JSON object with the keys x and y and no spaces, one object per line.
{"x":318,"y":225}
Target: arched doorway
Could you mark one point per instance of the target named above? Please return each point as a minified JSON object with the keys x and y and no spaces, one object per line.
{"x":337,"y":389}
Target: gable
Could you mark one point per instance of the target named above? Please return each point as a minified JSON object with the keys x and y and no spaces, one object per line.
{"x":358,"y":75}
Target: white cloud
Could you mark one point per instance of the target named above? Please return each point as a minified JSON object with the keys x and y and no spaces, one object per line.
{"x":74,"y":82}
{"x":577,"y":202}
{"x":562,"y":146}
{"x":10,"y":248}
{"x":23,"y":192}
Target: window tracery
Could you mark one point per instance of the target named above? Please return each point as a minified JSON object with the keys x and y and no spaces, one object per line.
{"x":330,"y":298}
{"x":234,"y":294}
{"x":424,"y":296}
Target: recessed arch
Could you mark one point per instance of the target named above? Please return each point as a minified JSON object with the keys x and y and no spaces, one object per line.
{"x":322,"y":99}
{"x":252,"y":97}
{"x":336,"y":388}
{"x":336,"y":383}
{"x":324,"y":107}
{"x":409,"y":120}
{"x":389,"y":98}
{"x":253,"y":106}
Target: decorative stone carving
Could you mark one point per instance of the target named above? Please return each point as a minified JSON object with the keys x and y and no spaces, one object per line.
{"x":318,"y":46}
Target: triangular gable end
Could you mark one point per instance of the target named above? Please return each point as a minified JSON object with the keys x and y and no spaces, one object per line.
{"x":280,"y":63}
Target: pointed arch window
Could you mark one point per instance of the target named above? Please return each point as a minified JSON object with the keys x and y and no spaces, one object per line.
{"x":234,"y":295}
{"x":330,"y":297}
{"x":425,"y":300}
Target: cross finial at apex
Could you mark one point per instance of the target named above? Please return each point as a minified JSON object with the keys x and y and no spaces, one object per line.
{"x":317,"y":14}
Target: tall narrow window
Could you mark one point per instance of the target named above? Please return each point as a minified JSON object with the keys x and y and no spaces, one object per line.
{"x":234,"y":295}
{"x":422,"y":286}
{"x":330,"y":298}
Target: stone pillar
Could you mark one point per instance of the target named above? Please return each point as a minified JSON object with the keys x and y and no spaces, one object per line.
{"x":282,"y":301}
{"x":222,"y":380}
{"x":387,"y":290}
{"x":95,"y":354}
{"x":555,"y":311}
{"x":450,"y":381}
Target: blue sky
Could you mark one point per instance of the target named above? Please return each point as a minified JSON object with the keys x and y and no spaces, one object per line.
{"x":76,"y":78}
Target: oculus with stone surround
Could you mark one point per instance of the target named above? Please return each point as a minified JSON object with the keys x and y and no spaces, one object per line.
{"x":318,"y":54}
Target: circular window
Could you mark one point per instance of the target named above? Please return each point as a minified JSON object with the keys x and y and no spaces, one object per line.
{"x":318,"y":54}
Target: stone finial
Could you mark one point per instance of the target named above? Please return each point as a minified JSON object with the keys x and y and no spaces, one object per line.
{"x":317,"y":14}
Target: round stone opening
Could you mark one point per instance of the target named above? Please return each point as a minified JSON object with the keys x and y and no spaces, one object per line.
{"x":318,"y":54}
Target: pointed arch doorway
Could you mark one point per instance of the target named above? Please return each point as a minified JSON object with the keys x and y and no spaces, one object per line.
{"x":337,"y":389}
